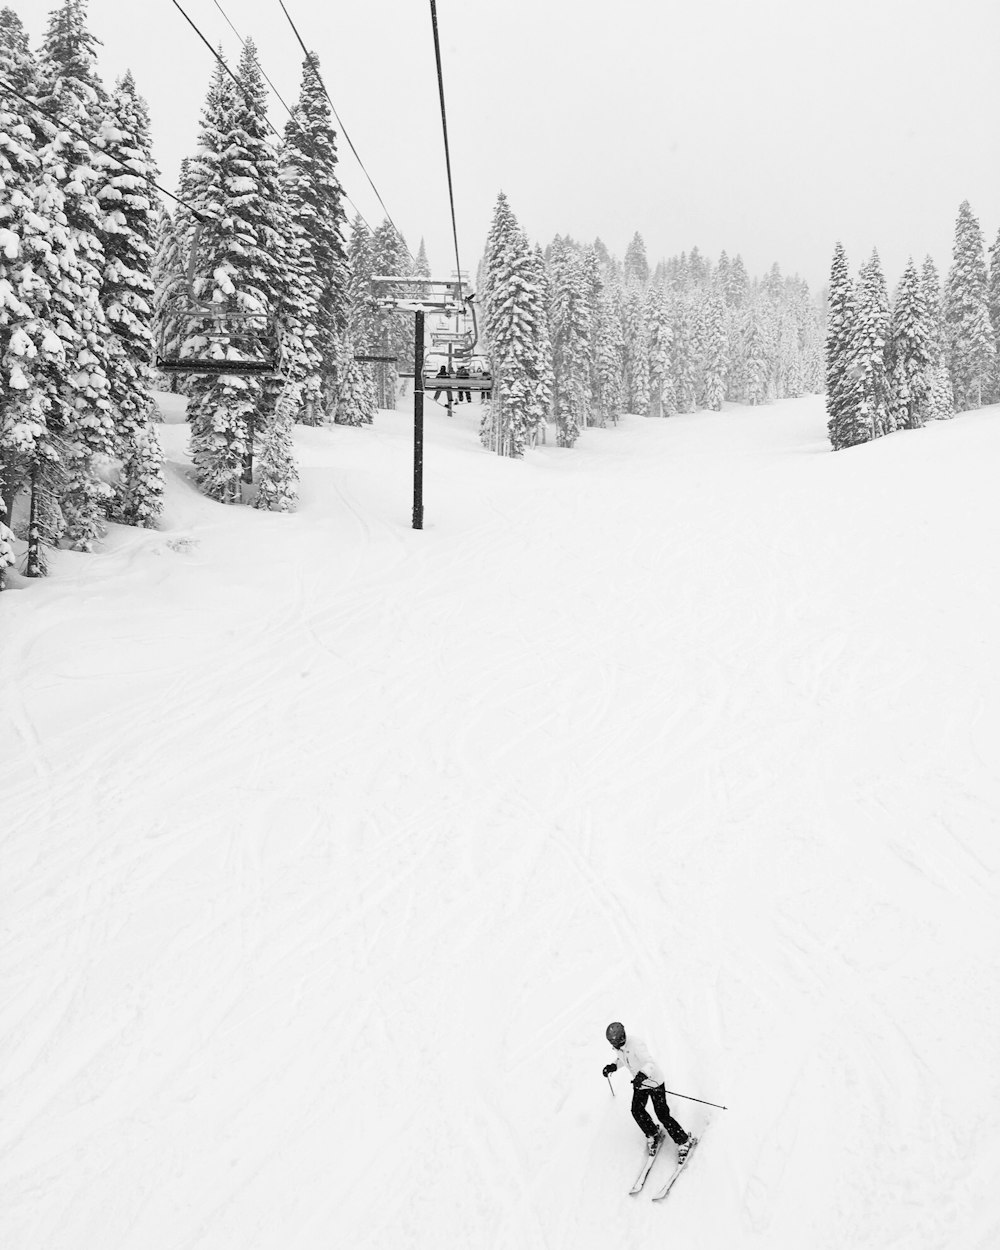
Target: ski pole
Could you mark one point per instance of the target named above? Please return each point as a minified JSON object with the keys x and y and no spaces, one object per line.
{"x":611,"y":1087}
{"x":691,"y":1099}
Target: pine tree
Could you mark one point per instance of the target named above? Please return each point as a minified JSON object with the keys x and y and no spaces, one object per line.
{"x":843,"y":425}
{"x":593,"y":285}
{"x":737,"y":283}
{"x":570,"y":327}
{"x":509,"y":305}
{"x":139,"y":495}
{"x":610,"y":356}
{"x":869,"y":341}
{"x":715,"y":354}
{"x":6,"y":547}
{"x":636,"y":264}
{"x":31,"y":353}
{"x":970,"y":349}
{"x":316,"y":206}
{"x":755,"y":362}
{"x":910,"y":353}
{"x":356,"y":400}
{"x":127,"y":296}
{"x":993,"y":307}
{"x":82,"y":408}
{"x":242,"y":268}
{"x":362,"y":318}
{"x":662,"y":401}
{"x":636,"y":348}
{"x":276,"y":490}
{"x":685,"y":353}
{"x":941,"y":401}
{"x":542,"y":375}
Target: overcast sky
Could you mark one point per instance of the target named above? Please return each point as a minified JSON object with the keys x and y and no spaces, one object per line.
{"x":772,"y":128}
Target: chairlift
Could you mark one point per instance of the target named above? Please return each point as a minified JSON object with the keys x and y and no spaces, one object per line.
{"x":199,"y":336}
{"x":455,"y":378}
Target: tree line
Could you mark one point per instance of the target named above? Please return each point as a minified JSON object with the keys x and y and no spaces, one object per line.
{"x":76,"y":241}
{"x":931,"y":352}
{"x":578,"y":336}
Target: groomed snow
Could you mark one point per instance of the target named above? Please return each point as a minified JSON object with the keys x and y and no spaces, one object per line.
{"x":331,"y":847}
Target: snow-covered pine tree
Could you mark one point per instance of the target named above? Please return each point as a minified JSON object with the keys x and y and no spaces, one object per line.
{"x":31,"y":353}
{"x":969,"y":334}
{"x":6,"y":547}
{"x":843,"y":424}
{"x":610,"y":356}
{"x":699,"y":267}
{"x":422,"y":269}
{"x":685,"y":363}
{"x":361,"y":310}
{"x":315,"y":201}
{"x":510,"y":332}
{"x":593,"y":282}
{"x":570,"y":329}
{"x":278,"y":473}
{"x":715,"y":347}
{"x":356,"y":398}
{"x":127,"y":296}
{"x":869,"y":343}
{"x":82,"y":409}
{"x":755,"y":364}
{"x":542,"y":374}
{"x":362,"y":314}
{"x":910,"y":352}
{"x":241,"y":267}
{"x":720,"y":275}
{"x":993,"y":307}
{"x":636,"y":264}
{"x":636,"y":348}
{"x":941,"y":400}
{"x":662,"y":401}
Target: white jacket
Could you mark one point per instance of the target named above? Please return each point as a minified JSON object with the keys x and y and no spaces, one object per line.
{"x":635,"y":1056}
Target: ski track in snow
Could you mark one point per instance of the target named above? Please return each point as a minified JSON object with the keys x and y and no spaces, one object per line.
{"x":331,"y":848}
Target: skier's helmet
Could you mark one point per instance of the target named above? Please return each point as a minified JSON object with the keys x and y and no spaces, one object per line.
{"x":616,"y":1035}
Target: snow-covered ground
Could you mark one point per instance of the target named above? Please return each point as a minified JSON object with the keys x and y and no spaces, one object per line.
{"x":330,"y":848}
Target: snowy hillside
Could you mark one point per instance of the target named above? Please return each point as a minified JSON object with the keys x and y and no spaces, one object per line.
{"x":331,"y":847}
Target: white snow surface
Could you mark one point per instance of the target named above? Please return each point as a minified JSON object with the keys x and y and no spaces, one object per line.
{"x":330,"y":848}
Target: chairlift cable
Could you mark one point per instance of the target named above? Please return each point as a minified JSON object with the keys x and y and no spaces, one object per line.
{"x":447,"y":152}
{"x":54,"y":117}
{"x":343,"y":129}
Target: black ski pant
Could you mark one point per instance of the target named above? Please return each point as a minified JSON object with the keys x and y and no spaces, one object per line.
{"x":645,"y":1120}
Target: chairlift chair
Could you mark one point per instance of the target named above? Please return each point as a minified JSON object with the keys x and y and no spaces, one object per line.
{"x":235,"y":341}
{"x":240,"y":343}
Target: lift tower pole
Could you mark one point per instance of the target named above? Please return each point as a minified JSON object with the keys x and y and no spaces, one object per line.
{"x":418,"y":420}
{"x":394,"y":293}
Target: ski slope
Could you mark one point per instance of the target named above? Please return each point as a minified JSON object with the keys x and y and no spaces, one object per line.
{"x":331,"y":847}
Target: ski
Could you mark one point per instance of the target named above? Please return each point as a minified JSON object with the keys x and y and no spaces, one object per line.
{"x":650,"y":1159}
{"x":661,"y":1194}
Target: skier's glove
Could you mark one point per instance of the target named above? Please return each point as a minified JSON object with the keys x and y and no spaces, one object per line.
{"x":638,"y":1079}
{"x":609,"y":1068}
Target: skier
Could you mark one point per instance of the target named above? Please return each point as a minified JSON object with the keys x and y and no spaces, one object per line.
{"x":647,"y":1082}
